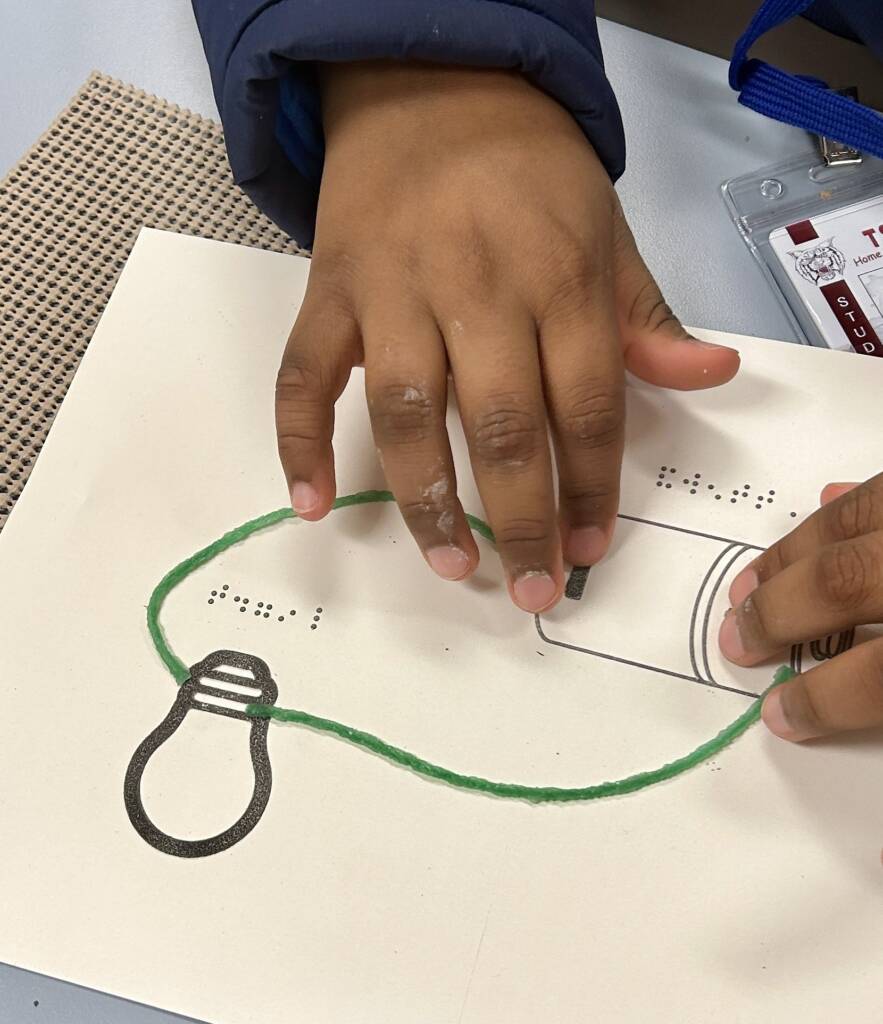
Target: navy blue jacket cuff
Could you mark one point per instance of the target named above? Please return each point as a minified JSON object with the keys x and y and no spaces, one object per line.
{"x":262,"y":54}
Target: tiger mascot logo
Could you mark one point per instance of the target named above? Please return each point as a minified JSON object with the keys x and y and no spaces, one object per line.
{"x":821,"y":264}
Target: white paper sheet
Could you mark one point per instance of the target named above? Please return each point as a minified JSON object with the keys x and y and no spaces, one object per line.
{"x":749,"y":889}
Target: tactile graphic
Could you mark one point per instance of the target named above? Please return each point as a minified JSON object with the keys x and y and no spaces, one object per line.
{"x":116,"y":160}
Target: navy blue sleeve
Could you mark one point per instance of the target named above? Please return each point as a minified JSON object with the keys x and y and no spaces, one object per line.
{"x":859,"y":20}
{"x":262,"y":55}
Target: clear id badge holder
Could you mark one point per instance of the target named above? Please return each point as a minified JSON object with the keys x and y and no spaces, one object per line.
{"x":814,"y":223}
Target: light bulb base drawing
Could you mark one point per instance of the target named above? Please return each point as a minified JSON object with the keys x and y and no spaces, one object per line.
{"x":212,"y":688}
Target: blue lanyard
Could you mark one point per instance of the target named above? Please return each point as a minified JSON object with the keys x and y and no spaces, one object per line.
{"x":799,"y":99}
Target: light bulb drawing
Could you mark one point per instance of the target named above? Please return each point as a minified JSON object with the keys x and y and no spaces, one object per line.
{"x":651,"y":605}
{"x":212,"y":688}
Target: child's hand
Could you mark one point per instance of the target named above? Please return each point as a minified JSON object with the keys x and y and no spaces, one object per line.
{"x":465,"y":226}
{"x":824,"y":577}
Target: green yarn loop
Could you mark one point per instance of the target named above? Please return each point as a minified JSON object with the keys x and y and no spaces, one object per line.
{"x":374,"y":744}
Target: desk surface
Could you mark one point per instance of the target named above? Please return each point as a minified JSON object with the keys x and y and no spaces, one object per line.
{"x":685,"y":134}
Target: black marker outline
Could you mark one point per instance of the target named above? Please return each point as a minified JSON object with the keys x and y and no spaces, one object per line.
{"x":695,"y":613}
{"x":822,"y":649}
{"x":738,"y":548}
{"x":640,"y":664}
{"x":739,"y":552}
{"x":186,"y":700}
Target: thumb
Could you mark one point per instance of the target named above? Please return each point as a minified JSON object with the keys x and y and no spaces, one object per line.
{"x":656,"y":347}
{"x":840,"y":694}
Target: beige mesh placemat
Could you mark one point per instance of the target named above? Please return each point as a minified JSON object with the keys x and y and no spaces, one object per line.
{"x":116,"y":159}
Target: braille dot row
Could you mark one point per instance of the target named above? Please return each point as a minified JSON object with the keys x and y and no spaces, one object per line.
{"x":262,"y":609}
{"x":692,"y":484}
{"x":694,"y":487}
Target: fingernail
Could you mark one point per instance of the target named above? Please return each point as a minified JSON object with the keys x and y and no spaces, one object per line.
{"x":534,"y":591}
{"x":775,"y":717}
{"x":303,"y":497}
{"x":449,"y":562}
{"x":707,"y":344}
{"x":729,"y":639}
{"x":743,"y":585}
{"x":586,"y":545}
{"x":834,"y":491}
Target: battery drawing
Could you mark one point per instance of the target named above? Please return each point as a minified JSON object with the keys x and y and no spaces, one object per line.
{"x":656,"y":603}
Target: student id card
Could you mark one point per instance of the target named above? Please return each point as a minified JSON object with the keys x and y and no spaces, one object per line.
{"x":835,"y":263}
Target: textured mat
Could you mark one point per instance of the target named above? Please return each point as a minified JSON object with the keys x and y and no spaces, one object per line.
{"x":115,"y":160}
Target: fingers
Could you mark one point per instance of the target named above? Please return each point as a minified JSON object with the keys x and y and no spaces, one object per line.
{"x":321,"y":351}
{"x":826,"y":576}
{"x":837,"y":587}
{"x":843,"y":693}
{"x":656,"y":347}
{"x":584,"y":387}
{"x":496,"y":372}
{"x":848,"y":511}
{"x":406,"y":385}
